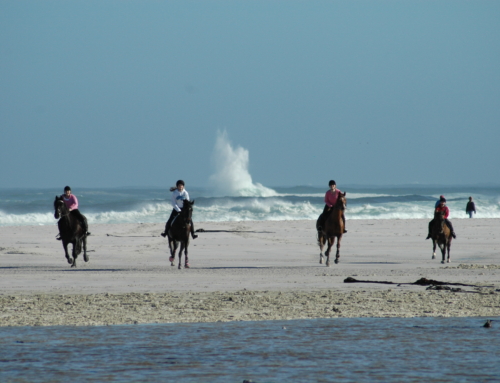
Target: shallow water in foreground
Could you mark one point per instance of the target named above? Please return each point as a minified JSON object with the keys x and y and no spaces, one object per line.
{"x":320,"y":350}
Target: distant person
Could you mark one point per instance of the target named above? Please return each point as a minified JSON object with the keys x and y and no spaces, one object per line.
{"x":470,"y":208}
{"x":71,"y":203}
{"x":331,"y":197}
{"x":441,"y":206}
{"x":179,"y":195}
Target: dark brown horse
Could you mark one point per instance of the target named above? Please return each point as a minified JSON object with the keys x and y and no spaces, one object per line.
{"x":179,"y":234}
{"x":441,"y":235}
{"x":71,"y":231}
{"x":333,"y":228}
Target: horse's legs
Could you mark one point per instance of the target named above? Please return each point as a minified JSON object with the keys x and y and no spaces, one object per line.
{"x":186,"y":259}
{"x":180,"y":255}
{"x":443,"y":252}
{"x":433,"y":249}
{"x":65,"y":245}
{"x":84,"y":244}
{"x":337,"y":256}
{"x":74,"y":253}
{"x":172,"y":245}
{"x":321,"y":243}
{"x":327,"y":252}
{"x":448,"y":247}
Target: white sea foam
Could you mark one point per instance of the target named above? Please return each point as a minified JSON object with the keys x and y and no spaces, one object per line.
{"x":231,"y":177}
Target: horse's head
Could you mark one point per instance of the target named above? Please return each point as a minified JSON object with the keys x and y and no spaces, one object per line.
{"x":59,"y":207}
{"x":439,"y":215}
{"x":187,"y":209}
{"x":341,"y":202}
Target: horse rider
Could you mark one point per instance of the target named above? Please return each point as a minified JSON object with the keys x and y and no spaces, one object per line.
{"x":71,"y":203}
{"x":179,"y":195}
{"x":331,"y":197}
{"x":441,"y":207}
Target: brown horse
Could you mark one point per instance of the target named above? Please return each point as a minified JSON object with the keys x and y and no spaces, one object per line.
{"x":441,"y":235}
{"x":71,"y":231}
{"x":333,"y":228}
{"x":179,"y":234}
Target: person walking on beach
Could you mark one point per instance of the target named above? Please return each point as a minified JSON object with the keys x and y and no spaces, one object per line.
{"x":470,"y":208}
{"x":442,"y":207}
{"x":71,"y":203}
{"x":331,"y":196}
{"x":179,"y":195}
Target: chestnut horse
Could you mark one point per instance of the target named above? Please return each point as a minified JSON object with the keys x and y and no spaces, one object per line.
{"x":333,"y":228}
{"x":71,"y":231}
{"x":179,"y":234}
{"x":441,"y":235}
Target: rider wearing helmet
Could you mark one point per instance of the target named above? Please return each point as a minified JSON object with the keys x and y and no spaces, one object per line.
{"x":441,"y":206}
{"x":331,"y":197}
{"x":179,"y":195}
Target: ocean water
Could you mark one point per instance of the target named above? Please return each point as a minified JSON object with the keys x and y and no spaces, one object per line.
{"x":320,"y":350}
{"x":152,"y":205}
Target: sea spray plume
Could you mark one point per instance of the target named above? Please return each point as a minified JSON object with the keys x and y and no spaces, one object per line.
{"x":231,"y":175}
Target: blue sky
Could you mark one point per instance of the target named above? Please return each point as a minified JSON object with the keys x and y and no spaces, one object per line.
{"x":132,"y":93}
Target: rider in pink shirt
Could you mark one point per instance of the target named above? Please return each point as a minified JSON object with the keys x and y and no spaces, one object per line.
{"x":331,"y":197}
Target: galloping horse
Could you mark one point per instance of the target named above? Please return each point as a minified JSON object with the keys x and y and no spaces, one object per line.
{"x":179,"y":233}
{"x":441,"y":235}
{"x":333,"y":228}
{"x":71,"y":231}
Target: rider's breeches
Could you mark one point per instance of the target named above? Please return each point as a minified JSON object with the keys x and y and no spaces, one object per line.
{"x":448,"y":223}
{"x":174,"y":214}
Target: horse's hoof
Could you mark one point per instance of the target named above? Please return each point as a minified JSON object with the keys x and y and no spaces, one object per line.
{"x":336,"y":260}
{"x":433,"y":257}
{"x":179,"y":266}
{"x":186,"y":266}
{"x":85,"y":257}
{"x":70,"y":260}
{"x":442,"y":261}
{"x":172,"y":264}
{"x":73,"y":265}
{"x":448,"y":261}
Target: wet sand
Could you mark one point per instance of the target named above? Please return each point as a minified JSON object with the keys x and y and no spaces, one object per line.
{"x":248,"y":271}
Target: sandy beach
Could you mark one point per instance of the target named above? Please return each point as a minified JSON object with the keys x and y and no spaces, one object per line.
{"x":258,"y":270}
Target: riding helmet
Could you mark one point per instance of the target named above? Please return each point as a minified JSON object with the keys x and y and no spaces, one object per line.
{"x":332,"y":182}
{"x":66,"y":188}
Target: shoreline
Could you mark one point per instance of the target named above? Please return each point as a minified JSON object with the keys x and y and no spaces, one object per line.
{"x":263,"y":270}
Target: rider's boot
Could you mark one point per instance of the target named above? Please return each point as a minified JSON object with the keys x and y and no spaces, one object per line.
{"x":428,"y":236}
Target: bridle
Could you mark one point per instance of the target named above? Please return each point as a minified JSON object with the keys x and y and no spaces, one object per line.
{"x":59,"y":210}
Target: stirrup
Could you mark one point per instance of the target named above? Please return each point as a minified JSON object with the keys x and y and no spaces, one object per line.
{"x":428,"y":237}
